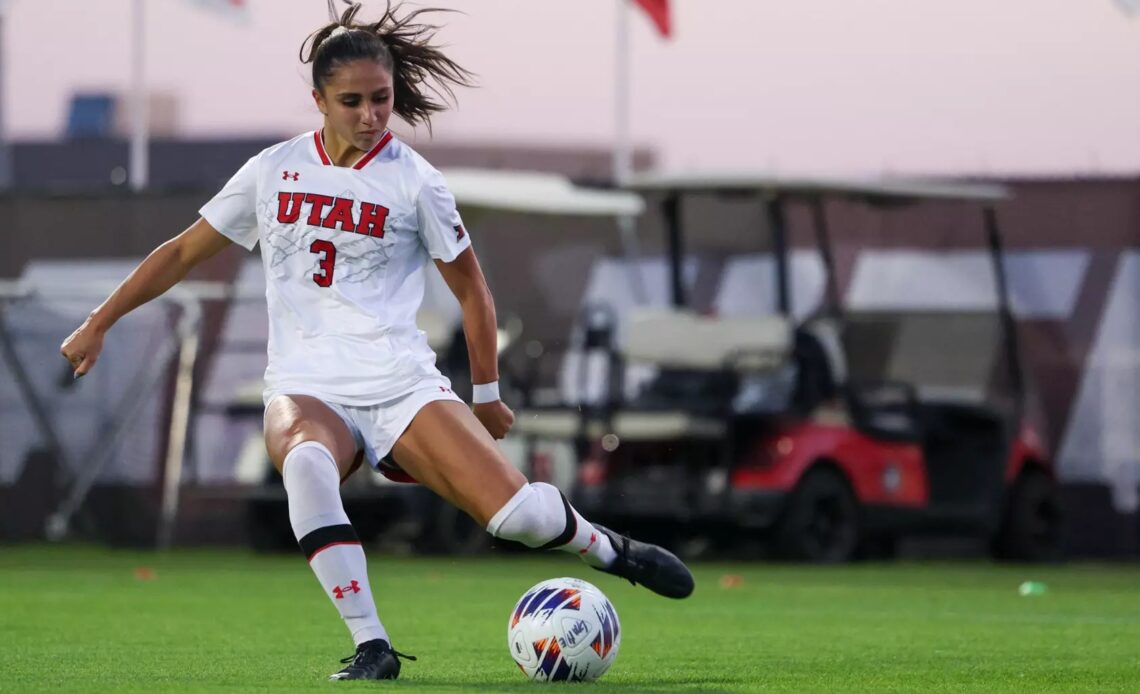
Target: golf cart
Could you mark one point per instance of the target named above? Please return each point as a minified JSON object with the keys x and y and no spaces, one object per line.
{"x":822,"y":430}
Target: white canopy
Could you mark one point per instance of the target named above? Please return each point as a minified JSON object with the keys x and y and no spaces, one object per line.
{"x":884,"y":189}
{"x":537,"y":193}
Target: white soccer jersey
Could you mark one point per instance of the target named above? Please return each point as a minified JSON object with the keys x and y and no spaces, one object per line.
{"x":344,"y":250}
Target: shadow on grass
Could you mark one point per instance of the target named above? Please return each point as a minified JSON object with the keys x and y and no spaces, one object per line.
{"x":663,"y":686}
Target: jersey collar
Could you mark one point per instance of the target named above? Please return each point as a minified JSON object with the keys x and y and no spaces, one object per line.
{"x":318,"y":140}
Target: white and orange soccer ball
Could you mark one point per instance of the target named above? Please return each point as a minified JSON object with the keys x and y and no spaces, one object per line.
{"x":564,"y":629}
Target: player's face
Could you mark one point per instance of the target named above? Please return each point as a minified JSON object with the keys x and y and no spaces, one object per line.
{"x":357,"y":102}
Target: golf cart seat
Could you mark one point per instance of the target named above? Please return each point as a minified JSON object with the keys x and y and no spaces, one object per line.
{"x":687,"y":340}
{"x":565,"y":423}
{"x":698,"y":358}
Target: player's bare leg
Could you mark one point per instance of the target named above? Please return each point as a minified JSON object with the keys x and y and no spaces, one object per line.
{"x":314,"y":450}
{"x":446,"y":449}
{"x":294,"y":419}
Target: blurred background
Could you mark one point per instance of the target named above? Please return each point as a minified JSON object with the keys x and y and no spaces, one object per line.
{"x":726,"y":324}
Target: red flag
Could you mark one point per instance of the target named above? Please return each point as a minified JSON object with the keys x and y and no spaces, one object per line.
{"x":658,"y":11}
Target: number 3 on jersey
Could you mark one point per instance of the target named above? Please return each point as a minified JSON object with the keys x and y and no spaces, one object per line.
{"x":327,"y":251}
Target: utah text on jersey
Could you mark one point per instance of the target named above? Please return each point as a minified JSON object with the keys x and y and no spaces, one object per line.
{"x":342,"y":213}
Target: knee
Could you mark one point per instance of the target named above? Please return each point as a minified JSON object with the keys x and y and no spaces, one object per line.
{"x":310,"y":465}
{"x":282,"y":437}
{"x":287,"y":426}
{"x":534,"y":516}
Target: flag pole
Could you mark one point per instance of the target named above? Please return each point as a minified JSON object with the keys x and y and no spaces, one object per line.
{"x":139,"y":159}
{"x":5,"y":147}
{"x":623,"y":148}
{"x":623,"y":156}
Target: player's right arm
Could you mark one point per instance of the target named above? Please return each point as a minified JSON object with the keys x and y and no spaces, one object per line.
{"x":161,"y":270}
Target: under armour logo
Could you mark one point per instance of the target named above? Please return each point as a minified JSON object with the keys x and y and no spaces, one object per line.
{"x":339,"y":592}
{"x":460,"y":232}
{"x":286,"y":175}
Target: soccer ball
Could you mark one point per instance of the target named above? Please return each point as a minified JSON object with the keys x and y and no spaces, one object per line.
{"x":564,"y":629}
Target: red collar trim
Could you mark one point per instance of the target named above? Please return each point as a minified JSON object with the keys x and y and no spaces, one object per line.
{"x":318,"y":139}
{"x":321,"y":148}
{"x":384,"y":139}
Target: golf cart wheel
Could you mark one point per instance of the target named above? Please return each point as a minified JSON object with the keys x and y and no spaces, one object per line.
{"x":1031,"y":528}
{"x":820,"y":522}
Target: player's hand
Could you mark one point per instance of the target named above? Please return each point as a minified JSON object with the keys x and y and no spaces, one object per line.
{"x":496,"y":417}
{"x":81,"y":349}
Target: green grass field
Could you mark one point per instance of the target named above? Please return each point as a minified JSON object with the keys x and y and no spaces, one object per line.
{"x":93,"y":620}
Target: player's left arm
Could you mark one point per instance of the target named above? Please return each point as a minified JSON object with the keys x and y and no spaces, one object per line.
{"x":465,"y":279}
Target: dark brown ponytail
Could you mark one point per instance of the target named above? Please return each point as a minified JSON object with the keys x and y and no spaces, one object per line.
{"x":422,"y":75}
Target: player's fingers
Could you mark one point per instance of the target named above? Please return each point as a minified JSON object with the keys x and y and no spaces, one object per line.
{"x":71,"y":356}
{"x":496,"y":422}
{"x":71,"y":351}
{"x":85,"y":365}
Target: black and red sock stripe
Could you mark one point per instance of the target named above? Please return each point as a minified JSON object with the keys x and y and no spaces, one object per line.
{"x":328,"y":536}
{"x":569,"y":531}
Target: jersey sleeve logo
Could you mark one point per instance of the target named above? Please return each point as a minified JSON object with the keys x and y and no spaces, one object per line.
{"x":460,"y":232}
{"x":290,"y":175}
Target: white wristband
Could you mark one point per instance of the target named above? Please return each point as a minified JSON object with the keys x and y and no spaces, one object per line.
{"x":484,"y":392}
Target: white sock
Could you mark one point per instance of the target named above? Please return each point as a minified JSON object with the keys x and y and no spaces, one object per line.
{"x":321,"y":527}
{"x":539,"y":516}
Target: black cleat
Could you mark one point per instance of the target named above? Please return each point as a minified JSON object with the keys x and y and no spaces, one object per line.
{"x":656,"y":568}
{"x":373,"y":660}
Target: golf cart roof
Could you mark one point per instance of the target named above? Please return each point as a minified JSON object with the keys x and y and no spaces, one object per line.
{"x":884,"y":190}
{"x":537,"y":193}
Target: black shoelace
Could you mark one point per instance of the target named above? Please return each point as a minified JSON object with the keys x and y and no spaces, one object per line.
{"x":372,"y":651}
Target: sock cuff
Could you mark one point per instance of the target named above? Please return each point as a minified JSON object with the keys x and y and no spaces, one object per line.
{"x":304,"y":445}
{"x":508,"y":508}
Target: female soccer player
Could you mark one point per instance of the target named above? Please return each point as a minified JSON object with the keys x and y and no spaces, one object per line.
{"x":347,"y":217}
